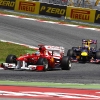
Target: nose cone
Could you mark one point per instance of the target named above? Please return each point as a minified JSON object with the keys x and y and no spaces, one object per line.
{"x":84,"y":54}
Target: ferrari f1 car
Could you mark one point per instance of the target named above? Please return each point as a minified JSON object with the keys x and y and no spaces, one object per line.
{"x":46,"y":58}
{"x":88,"y":52}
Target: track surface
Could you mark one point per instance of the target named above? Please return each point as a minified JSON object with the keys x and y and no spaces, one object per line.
{"x":34,"y":33}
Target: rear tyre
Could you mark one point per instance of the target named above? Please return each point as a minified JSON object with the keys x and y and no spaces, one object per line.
{"x":65,"y":63}
{"x":70,"y":53}
{"x":44,"y":62}
{"x":11,"y":59}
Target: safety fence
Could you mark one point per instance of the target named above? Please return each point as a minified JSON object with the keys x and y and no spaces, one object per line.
{"x":54,"y":10}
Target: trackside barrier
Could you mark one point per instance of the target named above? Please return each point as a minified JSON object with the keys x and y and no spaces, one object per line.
{"x":52,"y":10}
{"x":80,"y":14}
{"x":7,"y":4}
{"x":27,"y":6}
{"x":97,"y":17}
{"x":70,"y":12}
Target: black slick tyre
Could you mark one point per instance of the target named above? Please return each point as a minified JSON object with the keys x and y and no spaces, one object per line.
{"x":44,"y":62}
{"x":66,"y":63}
{"x":11,"y":59}
{"x":70,"y":52}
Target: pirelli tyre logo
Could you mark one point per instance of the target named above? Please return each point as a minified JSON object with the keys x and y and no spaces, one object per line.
{"x":52,"y":10}
{"x":80,"y":14}
{"x":97,"y":17}
{"x":27,"y":6}
{"x":7,"y":4}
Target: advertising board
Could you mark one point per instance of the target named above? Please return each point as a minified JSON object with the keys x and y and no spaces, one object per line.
{"x":81,"y":14}
{"x":97,"y":17}
{"x":7,"y":4}
{"x":52,"y":10}
{"x":27,"y":6}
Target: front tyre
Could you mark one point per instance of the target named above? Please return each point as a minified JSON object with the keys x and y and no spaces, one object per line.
{"x":66,"y":63}
{"x":11,"y":59}
{"x":44,"y":62}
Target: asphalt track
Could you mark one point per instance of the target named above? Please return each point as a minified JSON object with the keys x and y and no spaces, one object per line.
{"x":34,"y":33}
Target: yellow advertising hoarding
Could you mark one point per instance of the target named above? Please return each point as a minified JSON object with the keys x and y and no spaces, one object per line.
{"x":27,"y":6}
{"x":81,"y":14}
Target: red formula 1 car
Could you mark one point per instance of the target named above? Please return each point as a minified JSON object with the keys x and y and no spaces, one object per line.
{"x":46,"y":58}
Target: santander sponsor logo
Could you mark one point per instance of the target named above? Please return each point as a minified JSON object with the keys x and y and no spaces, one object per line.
{"x":49,"y":94}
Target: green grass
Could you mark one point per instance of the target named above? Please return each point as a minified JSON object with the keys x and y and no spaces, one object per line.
{"x":9,"y":48}
{"x":48,"y":19}
{"x":50,"y":84}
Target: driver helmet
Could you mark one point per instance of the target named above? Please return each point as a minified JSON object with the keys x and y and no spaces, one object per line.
{"x":42,"y":49}
{"x":86,"y":46}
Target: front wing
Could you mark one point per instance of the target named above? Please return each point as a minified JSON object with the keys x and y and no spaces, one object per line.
{"x":6,"y":66}
{"x":91,"y":60}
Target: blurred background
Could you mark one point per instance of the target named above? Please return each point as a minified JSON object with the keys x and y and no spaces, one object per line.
{"x":94,"y":4}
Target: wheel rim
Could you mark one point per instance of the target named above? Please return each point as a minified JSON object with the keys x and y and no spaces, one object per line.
{"x":70,"y":65}
{"x":45,"y":65}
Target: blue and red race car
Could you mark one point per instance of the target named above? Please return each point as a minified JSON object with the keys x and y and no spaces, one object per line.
{"x":88,"y":52}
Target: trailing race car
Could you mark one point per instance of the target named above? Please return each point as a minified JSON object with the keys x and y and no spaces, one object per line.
{"x":86,"y":53}
{"x":46,"y":58}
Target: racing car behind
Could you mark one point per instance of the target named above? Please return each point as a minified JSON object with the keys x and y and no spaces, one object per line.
{"x":88,"y":52}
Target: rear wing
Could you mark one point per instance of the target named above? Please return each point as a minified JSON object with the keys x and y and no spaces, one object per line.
{"x":90,"y":41}
{"x":53,"y":48}
{"x":50,"y":47}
